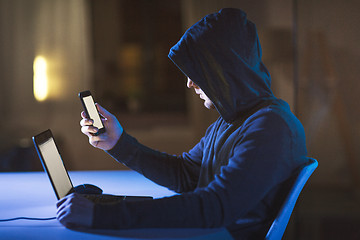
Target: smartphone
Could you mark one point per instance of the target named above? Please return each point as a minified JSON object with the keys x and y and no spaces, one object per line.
{"x":91,"y":110}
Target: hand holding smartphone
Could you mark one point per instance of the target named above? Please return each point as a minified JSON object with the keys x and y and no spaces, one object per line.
{"x":91,"y":110}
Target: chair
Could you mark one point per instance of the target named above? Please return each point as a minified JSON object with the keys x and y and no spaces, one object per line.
{"x":278,"y":226}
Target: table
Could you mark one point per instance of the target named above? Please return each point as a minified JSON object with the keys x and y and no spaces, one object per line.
{"x":29,"y":194}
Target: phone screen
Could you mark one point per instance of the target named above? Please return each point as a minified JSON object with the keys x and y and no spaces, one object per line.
{"x":92,"y":111}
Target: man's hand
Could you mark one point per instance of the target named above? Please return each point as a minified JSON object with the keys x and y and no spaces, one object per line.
{"x":75,"y":211}
{"x":106,"y":140}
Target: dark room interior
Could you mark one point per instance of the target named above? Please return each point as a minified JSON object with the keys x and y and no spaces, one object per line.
{"x":118,"y":49}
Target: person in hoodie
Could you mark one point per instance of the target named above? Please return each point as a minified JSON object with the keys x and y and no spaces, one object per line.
{"x":238,"y":174}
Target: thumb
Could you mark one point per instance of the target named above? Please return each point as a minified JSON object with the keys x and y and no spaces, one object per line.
{"x":105,"y":113}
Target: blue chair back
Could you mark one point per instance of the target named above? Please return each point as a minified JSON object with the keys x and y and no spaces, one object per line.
{"x":278,"y":226}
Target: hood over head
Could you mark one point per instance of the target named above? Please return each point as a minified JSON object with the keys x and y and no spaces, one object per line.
{"x":221,"y":53}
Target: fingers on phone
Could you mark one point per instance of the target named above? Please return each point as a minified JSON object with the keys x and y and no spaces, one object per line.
{"x":83,"y":114}
{"x":103,"y":112}
{"x":94,"y":140}
{"x":86,"y":122}
{"x":89,"y":130}
{"x":84,"y":117}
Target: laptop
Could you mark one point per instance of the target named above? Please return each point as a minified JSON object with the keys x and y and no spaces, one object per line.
{"x":53,"y":164}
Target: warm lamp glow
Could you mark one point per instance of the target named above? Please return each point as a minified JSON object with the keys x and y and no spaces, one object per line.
{"x":40,"y":79}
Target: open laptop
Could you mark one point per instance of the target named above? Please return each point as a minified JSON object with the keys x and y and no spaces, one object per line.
{"x":54,"y":167}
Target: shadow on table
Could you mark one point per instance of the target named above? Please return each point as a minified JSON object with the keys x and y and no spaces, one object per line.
{"x":171,"y":233}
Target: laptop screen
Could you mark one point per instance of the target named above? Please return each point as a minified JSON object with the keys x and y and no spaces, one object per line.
{"x":52,"y":163}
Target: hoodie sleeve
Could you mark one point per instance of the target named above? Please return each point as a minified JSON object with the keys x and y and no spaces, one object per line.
{"x":178,"y":173}
{"x":259,"y":164}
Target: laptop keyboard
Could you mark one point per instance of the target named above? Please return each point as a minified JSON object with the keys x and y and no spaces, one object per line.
{"x":104,"y":198}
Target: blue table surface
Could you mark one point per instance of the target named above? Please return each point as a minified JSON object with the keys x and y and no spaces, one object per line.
{"x":29,"y":194}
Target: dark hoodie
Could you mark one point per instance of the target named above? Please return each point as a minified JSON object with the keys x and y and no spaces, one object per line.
{"x":236,"y":176}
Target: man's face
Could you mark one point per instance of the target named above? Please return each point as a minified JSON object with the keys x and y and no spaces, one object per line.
{"x":207,"y":102}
